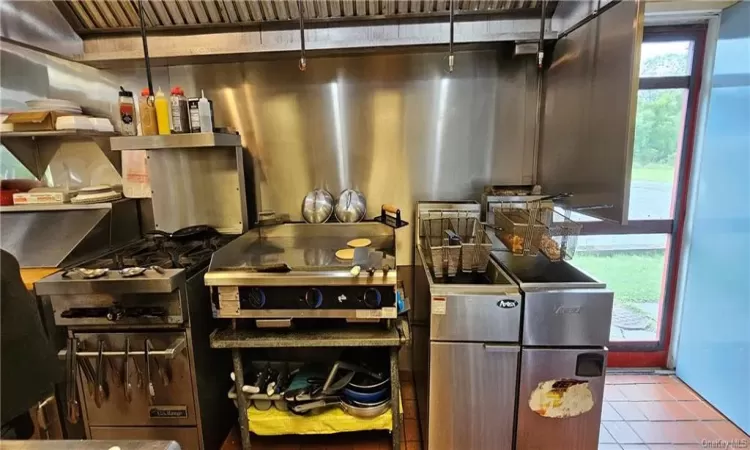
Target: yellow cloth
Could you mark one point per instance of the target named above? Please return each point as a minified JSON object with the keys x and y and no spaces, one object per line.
{"x":331,"y":420}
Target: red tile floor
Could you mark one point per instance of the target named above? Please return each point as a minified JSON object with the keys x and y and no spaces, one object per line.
{"x":654,"y":412}
{"x":641,"y":412}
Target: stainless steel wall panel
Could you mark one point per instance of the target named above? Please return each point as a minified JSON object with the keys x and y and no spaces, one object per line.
{"x":197,"y":186}
{"x":21,"y":21}
{"x":589,"y":118}
{"x":395,"y":126}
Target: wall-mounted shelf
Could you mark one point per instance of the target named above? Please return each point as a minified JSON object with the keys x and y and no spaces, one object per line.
{"x":54,"y":207}
{"x":175,"y":141}
{"x":35,"y":149}
{"x":56,"y":134}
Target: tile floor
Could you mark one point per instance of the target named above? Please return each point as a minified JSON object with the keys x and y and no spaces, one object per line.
{"x":652,"y":412}
{"x":640,"y":412}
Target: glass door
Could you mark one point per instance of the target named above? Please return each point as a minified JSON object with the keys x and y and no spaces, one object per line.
{"x":638,"y":261}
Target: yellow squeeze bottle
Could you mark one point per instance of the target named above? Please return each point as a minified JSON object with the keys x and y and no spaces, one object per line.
{"x":161,"y":103}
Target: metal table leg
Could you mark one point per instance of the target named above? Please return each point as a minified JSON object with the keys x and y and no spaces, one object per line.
{"x":239,"y":380}
{"x":395,"y":400}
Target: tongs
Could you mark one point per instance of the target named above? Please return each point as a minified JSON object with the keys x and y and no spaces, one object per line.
{"x":72,"y":389}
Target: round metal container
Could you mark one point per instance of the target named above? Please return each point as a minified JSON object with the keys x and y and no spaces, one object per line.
{"x":317,"y":206}
{"x":351,"y":206}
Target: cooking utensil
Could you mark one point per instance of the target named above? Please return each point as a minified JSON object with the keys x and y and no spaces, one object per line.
{"x":361,"y":410}
{"x":72,"y":368}
{"x":191,"y":232}
{"x":163,"y":371}
{"x":91,"y":373}
{"x":364,"y":383}
{"x":391,"y":216}
{"x":116,"y":379}
{"x":126,"y":372}
{"x":367,"y":397}
{"x":317,"y":206}
{"x":149,"y":381}
{"x":100,"y":393}
{"x":138,"y":374}
{"x":262,"y":405}
{"x":351,"y":206}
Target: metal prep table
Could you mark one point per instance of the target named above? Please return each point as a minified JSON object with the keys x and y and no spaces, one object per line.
{"x":314,"y":285}
{"x":236,"y":340}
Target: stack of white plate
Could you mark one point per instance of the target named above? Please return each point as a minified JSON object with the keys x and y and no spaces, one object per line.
{"x":96,"y":194}
{"x":51,"y":104}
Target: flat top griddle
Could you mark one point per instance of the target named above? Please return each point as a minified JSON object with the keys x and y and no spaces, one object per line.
{"x":301,"y":247}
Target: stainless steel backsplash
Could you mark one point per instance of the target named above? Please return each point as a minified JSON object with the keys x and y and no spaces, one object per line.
{"x":396,"y":126}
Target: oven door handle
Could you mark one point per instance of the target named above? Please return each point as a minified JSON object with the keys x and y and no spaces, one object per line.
{"x":171,"y":352}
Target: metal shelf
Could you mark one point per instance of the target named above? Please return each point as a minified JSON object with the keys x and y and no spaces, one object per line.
{"x":56,"y":134}
{"x":35,"y":149}
{"x":175,"y":141}
{"x":369,"y":337}
{"x":54,"y":207}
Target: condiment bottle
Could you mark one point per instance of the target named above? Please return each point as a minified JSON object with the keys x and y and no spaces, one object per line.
{"x":179,"y":111}
{"x":147,"y":112}
{"x":204,"y":111}
{"x":162,"y":112}
{"x":128,"y":126}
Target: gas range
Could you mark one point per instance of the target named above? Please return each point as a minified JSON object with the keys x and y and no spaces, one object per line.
{"x":137,"y":321}
{"x":152,"y":253}
{"x":141,"y":283}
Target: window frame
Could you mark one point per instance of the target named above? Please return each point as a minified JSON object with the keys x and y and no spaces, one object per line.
{"x":654,"y":353}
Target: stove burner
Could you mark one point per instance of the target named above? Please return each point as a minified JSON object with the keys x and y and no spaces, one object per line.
{"x":88,"y":274}
{"x":129,"y":272}
{"x":154,"y":253}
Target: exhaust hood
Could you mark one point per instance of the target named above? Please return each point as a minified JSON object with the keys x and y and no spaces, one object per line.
{"x":94,"y":17}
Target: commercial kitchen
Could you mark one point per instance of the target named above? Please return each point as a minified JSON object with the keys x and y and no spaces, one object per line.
{"x":379,"y":223}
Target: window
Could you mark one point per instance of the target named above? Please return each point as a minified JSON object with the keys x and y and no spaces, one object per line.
{"x":637,"y":260}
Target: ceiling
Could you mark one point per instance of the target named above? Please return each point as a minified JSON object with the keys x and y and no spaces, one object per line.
{"x":97,"y":16}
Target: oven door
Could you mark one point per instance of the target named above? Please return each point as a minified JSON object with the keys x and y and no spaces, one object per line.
{"x":173,"y":402}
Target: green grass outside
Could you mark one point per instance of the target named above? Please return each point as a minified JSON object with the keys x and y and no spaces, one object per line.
{"x":653,"y":172}
{"x":635,"y":277}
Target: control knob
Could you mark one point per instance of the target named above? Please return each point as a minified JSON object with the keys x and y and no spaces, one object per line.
{"x":115,"y":313}
{"x":313,"y":298}
{"x":371,"y":298}
{"x":256,"y":298}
